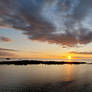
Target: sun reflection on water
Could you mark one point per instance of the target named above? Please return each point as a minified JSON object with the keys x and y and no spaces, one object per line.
{"x":68,"y":72}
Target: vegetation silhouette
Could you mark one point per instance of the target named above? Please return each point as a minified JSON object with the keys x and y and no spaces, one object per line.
{"x":29,"y":62}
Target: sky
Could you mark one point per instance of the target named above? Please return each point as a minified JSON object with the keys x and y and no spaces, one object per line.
{"x":51,"y":29}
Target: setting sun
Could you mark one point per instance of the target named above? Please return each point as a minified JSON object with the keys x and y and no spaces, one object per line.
{"x":69,"y":57}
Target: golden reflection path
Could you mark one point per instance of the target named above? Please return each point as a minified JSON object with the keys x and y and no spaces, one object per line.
{"x":68,"y":71}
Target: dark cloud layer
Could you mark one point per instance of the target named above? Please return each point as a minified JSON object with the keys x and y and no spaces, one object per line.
{"x":65,"y":22}
{"x":83,"y":53}
{"x":5,"y":39}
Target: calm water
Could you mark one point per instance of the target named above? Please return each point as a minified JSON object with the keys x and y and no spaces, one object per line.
{"x":31,"y":75}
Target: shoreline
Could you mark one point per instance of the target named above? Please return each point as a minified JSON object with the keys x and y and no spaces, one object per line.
{"x":34,"y":62}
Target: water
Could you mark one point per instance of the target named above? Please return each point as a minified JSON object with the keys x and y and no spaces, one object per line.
{"x":12,"y":76}
{"x":18,"y":76}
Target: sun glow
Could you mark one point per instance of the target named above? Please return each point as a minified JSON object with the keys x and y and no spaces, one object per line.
{"x":69,"y":57}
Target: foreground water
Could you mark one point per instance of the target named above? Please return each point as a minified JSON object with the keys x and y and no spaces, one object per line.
{"x":51,"y":77}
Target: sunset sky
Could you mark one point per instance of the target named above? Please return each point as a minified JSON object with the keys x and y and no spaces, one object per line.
{"x":51,"y":29}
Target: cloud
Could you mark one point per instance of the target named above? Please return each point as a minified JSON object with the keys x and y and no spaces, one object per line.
{"x":5,"y":39}
{"x":7,"y":52}
{"x":4,"y":49}
{"x":83,"y":53}
{"x":65,"y":22}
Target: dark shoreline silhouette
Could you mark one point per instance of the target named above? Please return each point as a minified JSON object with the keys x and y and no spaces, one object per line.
{"x":29,"y":62}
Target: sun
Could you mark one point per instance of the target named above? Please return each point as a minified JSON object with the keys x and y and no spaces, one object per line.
{"x":69,"y":57}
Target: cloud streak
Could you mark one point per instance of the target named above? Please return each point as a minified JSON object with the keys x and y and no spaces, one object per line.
{"x":4,"y":49}
{"x":65,"y":22}
{"x":7,"y":52}
{"x":3,"y":54}
{"x":5,"y":39}
{"x":82,"y":53}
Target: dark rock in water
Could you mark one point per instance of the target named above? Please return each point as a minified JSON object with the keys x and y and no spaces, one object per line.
{"x":7,"y":58}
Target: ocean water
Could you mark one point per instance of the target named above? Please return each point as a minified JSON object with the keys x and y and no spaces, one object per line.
{"x":13,"y":76}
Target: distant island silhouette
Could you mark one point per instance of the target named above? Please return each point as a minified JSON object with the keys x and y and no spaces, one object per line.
{"x":28,"y":62}
{"x":8,"y":58}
